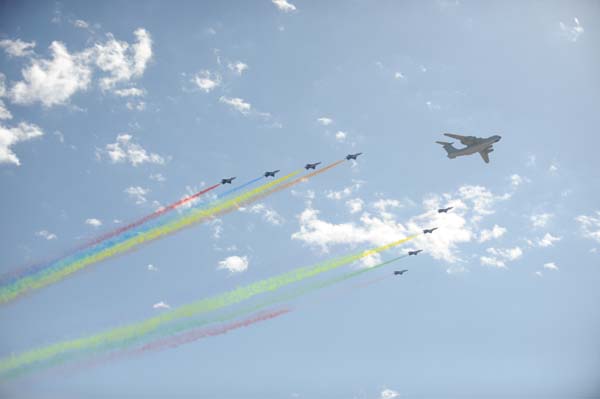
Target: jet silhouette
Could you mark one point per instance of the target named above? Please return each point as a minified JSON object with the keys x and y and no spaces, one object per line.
{"x":399,"y":272}
{"x":414,"y":253}
{"x":445,"y":210}
{"x":353,"y":156}
{"x":473,"y":145}
{"x":227,"y":181}
{"x":272,"y":174}
{"x":311,"y":165}
{"x":429,"y":230}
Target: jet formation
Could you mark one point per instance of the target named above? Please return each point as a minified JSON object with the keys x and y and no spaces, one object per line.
{"x":227,"y":181}
{"x":445,"y":210}
{"x":473,"y":145}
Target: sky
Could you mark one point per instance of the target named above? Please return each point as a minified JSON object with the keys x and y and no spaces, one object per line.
{"x":112,"y":110}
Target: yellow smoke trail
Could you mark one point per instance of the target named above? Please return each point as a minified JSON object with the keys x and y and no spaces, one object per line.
{"x":126,"y":335}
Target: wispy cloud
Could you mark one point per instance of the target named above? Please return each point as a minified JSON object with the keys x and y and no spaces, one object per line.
{"x":499,"y":257}
{"x":237,"y":103}
{"x":46,"y":234}
{"x":341,"y":136}
{"x":93,"y":222}
{"x":548,"y":240}
{"x":571,"y":32}
{"x":284,"y":5}
{"x":207,"y":81}
{"x":493,"y":233}
{"x":10,"y":136}
{"x":125,"y":150}
{"x":539,"y":220}
{"x":161,"y":305}
{"x":237,"y":67}
{"x":550,"y":266}
{"x":325,"y":121}
{"x":590,"y":225}
{"x":137,"y":193}
{"x":17,"y":48}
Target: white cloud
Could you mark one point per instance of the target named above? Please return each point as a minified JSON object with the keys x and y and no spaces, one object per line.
{"x":590,"y":225}
{"x":130,"y":92}
{"x":137,"y":193}
{"x":268,"y":214}
{"x":284,"y":5}
{"x":46,"y":234}
{"x":538,"y":273}
{"x":399,"y":75}
{"x":471,"y":203}
{"x":499,"y":257}
{"x":17,"y":48}
{"x":540,"y":219}
{"x":382,"y":205}
{"x":237,"y":103}
{"x":355,"y":205}
{"x":516,"y":180}
{"x":80,"y":23}
{"x":548,"y":240}
{"x":550,"y":266}
{"x":158,"y":177}
{"x":207,"y":80}
{"x":388,"y":394}
{"x":553,"y":168}
{"x":121,"y":60}
{"x":93,"y":222}
{"x":571,"y":32}
{"x":9,"y":136}
{"x":340,"y":136}
{"x":235,"y":264}
{"x":137,"y":106}
{"x":345,"y":192}
{"x":325,"y":121}
{"x":237,"y":67}
{"x":161,"y":305}
{"x":493,"y":233}
{"x":53,"y":81}
{"x":152,"y":268}
{"x":432,"y":106}
{"x":125,"y":150}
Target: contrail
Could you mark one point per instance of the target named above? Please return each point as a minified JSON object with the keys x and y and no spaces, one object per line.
{"x":126,"y":241}
{"x":130,"y":334}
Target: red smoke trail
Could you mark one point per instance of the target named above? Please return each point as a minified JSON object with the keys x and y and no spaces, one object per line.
{"x":151,"y":216}
{"x":177,"y":340}
{"x":32,"y":268}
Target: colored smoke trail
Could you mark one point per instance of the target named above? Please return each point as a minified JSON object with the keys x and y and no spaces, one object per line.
{"x":122,"y":337}
{"x":171,"y":335}
{"x":185,"y":338}
{"x":123,"y":243}
{"x":19,"y":273}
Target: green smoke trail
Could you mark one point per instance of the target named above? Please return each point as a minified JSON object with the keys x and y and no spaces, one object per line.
{"x":126,"y":335}
{"x":54,"y":274}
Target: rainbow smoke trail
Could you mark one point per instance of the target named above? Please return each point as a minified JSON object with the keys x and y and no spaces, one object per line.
{"x":19,"y":273}
{"x":122,"y":337}
{"x":25,"y":271}
{"x":125,"y":242}
{"x":132,"y":239}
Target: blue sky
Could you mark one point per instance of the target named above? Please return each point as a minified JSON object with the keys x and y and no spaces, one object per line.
{"x":109,"y":111}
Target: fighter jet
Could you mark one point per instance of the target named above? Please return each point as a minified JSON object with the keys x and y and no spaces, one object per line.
{"x":311,"y":165}
{"x":445,"y":210}
{"x":473,"y":144}
{"x":399,"y":272}
{"x":414,"y":253}
{"x":353,"y":156}
{"x":227,"y":181}
{"x":429,"y":230}
{"x":272,"y":174}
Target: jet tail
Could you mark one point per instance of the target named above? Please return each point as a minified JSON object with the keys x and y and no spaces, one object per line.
{"x":447,"y":146}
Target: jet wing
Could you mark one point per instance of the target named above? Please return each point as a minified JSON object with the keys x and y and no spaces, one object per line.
{"x":465,"y":140}
{"x":485,"y":154}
